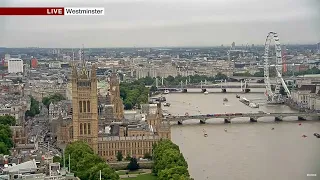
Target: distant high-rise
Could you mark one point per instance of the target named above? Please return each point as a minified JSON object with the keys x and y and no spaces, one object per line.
{"x":233,"y":45}
{"x":34,"y":63}
{"x":15,"y":65}
{"x":318,"y":47}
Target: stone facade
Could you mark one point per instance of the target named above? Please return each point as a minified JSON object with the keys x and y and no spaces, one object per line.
{"x":18,"y":134}
{"x":306,"y":97}
{"x":85,"y":106}
{"x":109,"y":133}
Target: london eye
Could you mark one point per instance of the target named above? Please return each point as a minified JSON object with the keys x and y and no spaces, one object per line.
{"x":274,"y":97}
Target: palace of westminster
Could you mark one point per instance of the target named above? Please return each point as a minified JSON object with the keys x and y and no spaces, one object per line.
{"x":99,"y":119}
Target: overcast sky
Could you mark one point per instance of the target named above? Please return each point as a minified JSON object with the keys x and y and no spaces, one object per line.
{"x":145,"y":23}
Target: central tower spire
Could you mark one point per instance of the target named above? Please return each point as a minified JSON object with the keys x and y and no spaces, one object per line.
{"x":83,"y":61}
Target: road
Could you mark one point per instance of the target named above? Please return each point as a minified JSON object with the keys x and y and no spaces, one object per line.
{"x":39,"y":132}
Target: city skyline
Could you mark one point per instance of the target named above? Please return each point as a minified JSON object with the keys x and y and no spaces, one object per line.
{"x":157,"y":23}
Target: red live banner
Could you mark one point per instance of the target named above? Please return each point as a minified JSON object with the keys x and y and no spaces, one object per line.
{"x":20,"y":11}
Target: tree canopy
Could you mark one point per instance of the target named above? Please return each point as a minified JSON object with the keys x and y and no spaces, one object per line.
{"x":6,"y":142}
{"x":169,"y":162}
{"x":52,"y":98}
{"x":134,"y":94}
{"x":133,"y":164}
{"x":174,"y":81}
{"x":119,"y":156}
{"x":34,"y":108}
{"x":7,"y":120}
{"x":85,"y":164}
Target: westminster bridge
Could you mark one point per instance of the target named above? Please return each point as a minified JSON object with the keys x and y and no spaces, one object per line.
{"x":253,"y":117}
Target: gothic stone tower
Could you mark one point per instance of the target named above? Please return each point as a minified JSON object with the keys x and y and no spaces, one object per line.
{"x":84,"y":104}
{"x":116,"y":100}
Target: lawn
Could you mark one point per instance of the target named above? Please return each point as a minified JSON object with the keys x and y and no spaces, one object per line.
{"x":143,"y":177}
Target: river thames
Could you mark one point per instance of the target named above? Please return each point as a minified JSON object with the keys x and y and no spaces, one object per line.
{"x":247,"y":151}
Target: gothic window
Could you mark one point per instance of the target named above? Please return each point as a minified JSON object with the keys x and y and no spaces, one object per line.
{"x":84,"y":106}
{"x":85,"y":128}
{"x":80,"y":106}
{"x":81,"y":129}
{"x":88,"y":106}
{"x":89,"y":128}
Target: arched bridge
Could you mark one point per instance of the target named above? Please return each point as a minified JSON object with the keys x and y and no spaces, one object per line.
{"x":253,"y":116}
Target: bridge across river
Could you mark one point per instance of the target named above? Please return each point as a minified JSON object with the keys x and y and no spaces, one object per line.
{"x":211,"y":86}
{"x":253,"y":116}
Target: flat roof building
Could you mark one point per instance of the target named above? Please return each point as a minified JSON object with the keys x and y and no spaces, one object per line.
{"x":15,"y":65}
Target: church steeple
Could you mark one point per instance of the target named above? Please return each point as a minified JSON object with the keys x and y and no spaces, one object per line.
{"x":74,"y":71}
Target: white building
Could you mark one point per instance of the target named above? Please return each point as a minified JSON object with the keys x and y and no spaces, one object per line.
{"x":15,"y":65}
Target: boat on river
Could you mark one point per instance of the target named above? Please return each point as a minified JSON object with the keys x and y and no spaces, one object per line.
{"x":166,"y":92}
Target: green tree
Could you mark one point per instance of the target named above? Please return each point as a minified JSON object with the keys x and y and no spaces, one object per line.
{"x":34,"y":108}
{"x":171,"y":159}
{"x":133,"y":164}
{"x":153,"y":88}
{"x":85,"y":164}
{"x":169,"y":163}
{"x":88,"y":161}
{"x":52,"y":98}
{"x":106,"y":172}
{"x":7,"y":120}
{"x":176,"y":172}
{"x":170,"y":79}
{"x":134,"y":93}
{"x":221,"y":76}
{"x":119,"y":156}
{"x":5,"y":138}
{"x":56,"y":159}
{"x":3,"y":148}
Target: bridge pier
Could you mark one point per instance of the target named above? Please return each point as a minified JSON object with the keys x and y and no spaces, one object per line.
{"x":203,"y":90}
{"x":278,"y":118}
{"x":184,"y":90}
{"x":224,"y":90}
{"x":180,"y":122}
{"x":252,"y":119}
{"x":203,"y":121}
{"x":300,"y":118}
{"x":247,"y":90}
{"x":227,"y":121}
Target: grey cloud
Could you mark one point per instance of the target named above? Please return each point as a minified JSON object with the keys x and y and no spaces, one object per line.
{"x":157,"y":23}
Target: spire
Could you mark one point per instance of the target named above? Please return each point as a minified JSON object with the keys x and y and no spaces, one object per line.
{"x":83,"y":61}
{"x":74,"y":71}
{"x":72,"y":55}
{"x":84,"y":73}
{"x":93,"y":71}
